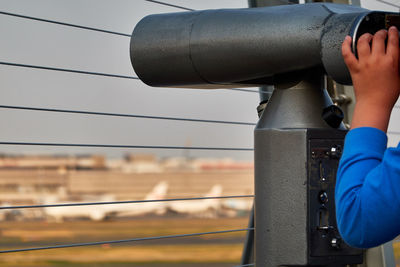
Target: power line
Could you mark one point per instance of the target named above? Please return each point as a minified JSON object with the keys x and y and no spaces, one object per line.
{"x":118,"y":202}
{"x":251,"y":264}
{"x":388,"y":3}
{"x":121,"y":115}
{"x":92,"y":29}
{"x":243,"y":90}
{"x":92,"y":73}
{"x":64,"y":24}
{"x":170,"y":5}
{"x":123,"y":146}
{"x":67,"y":70}
{"x":123,"y":241}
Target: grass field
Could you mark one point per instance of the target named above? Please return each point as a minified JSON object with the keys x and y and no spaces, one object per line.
{"x":221,"y":250}
{"x":209,"y":250}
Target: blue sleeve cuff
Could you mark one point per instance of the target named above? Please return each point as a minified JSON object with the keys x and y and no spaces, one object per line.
{"x":365,"y":139}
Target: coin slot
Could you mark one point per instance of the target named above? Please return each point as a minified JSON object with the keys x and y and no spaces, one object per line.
{"x":321,"y":172}
{"x":323,"y":219}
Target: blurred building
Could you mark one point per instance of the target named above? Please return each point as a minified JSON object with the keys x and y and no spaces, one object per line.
{"x":48,"y":179}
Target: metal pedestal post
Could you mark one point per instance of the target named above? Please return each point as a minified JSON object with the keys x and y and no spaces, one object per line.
{"x":285,"y":220}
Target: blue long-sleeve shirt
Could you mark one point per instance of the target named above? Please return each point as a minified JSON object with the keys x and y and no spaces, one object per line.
{"x":368,"y":189}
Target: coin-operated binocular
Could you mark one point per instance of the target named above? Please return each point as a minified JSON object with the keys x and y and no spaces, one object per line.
{"x":299,"y":136}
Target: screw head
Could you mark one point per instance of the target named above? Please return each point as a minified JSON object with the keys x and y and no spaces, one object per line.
{"x":323,"y":197}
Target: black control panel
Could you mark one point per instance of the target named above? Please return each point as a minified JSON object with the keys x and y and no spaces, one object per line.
{"x":325,"y":244}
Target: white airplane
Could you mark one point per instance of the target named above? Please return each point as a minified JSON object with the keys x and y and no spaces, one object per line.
{"x":126,"y":210}
{"x":93,"y":212}
{"x":100,"y":212}
{"x":202,"y":207}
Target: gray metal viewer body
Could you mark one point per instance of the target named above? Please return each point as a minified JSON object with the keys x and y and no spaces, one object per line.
{"x":247,"y":47}
{"x":296,"y":158}
{"x":296,"y":150}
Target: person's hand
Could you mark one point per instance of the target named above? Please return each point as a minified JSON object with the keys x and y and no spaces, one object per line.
{"x":375,"y":76}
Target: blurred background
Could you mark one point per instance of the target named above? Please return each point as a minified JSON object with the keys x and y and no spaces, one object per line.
{"x":78,"y":127}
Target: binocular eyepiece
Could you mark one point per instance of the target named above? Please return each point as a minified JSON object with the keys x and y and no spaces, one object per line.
{"x":249,"y":47}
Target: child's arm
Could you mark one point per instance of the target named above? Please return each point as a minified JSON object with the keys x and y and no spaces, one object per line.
{"x":368,"y":180}
{"x":375,"y":77}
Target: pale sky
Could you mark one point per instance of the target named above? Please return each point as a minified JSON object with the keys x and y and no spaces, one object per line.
{"x":37,"y":43}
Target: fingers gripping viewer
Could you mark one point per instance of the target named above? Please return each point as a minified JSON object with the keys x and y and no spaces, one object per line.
{"x":368,"y":179}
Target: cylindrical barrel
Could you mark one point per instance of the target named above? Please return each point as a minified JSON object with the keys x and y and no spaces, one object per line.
{"x":232,"y":47}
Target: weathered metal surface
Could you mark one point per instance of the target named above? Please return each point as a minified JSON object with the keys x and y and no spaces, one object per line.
{"x":232,"y":47}
{"x":285,"y":220}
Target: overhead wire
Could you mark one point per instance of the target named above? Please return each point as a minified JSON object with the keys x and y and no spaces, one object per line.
{"x":92,"y":29}
{"x":111,"y":146}
{"x":243,"y":90}
{"x":64,"y":23}
{"x":123,"y":146}
{"x":170,"y":5}
{"x":92,"y":73}
{"x":118,"y":202}
{"x":67,"y":70}
{"x":122,"y":115}
{"x":123,"y":241}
